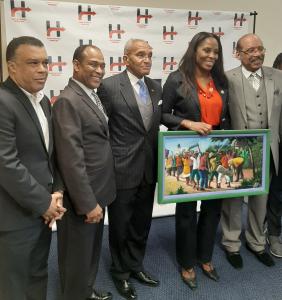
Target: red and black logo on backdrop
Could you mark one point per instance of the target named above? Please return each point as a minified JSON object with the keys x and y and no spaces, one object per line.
{"x":115,"y":34}
{"x":54,"y":32}
{"x":85,"y":42}
{"x":194,"y":19}
{"x":239,"y":20}
{"x":85,"y":14}
{"x":116,"y":64}
{"x":168,"y":35}
{"x":53,"y":97}
{"x":19,"y":9}
{"x":143,"y":17}
{"x":55,"y":66}
{"x":169,"y":63}
{"x":219,"y":32}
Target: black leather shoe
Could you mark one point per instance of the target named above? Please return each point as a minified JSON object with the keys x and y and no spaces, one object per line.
{"x":235,"y":259}
{"x":191,"y":282}
{"x":100,"y":296}
{"x":262,"y":256}
{"x":125,"y":289}
{"x":145,"y":279}
{"x":212,"y":274}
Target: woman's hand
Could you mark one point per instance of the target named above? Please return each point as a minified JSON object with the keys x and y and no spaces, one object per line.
{"x":201,"y":127}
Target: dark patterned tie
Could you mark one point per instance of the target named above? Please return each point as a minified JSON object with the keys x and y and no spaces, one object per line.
{"x":98,"y":102}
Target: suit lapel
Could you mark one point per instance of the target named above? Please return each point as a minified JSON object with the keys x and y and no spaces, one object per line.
{"x":223,"y":93}
{"x":152,"y":93}
{"x":238,"y":89}
{"x":129,"y":97}
{"x":89,"y":102}
{"x":195,"y":99}
{"x":23,"y":99}
{"x":269,"y":87}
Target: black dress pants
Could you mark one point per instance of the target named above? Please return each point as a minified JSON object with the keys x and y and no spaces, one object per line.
{"x":23,"y":262}
{"x":195,"y":238}
{"x":274,"y":205}
{"x":79,"y":248}
{"x":130,"y":217}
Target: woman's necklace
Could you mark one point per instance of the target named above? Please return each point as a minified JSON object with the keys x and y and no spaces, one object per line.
{"x":209,"y":90}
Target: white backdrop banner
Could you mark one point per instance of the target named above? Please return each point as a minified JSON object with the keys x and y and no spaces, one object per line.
{"x":63,"y":26}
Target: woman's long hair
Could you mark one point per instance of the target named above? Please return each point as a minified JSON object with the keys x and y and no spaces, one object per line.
{"x":187,"y":65}
{"x":278,"y":62}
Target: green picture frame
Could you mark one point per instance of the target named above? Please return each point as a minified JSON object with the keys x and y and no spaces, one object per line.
{"x":231,"y":163}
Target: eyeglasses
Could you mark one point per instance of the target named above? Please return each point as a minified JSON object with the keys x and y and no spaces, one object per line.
{"x":253,"y":50}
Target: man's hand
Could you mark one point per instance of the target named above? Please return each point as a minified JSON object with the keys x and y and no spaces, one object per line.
{"x":95,"y":215}
{"x":55,"y":210}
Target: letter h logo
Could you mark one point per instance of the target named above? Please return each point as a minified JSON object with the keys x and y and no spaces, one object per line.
{"x":53,"y":98}
{"x":146,"y":16}
{"x":116,"y":31}
{"x":56,"y":29}
{"x":117,"y":64}
{"x":169,"y":64}
{"x":239,"y":20}
{"x":194,"y":19}
{"x":170,"y":33}
{"x":89,"y":13}
{"x":59,"y":64}
{"x":219,"y":33}
{"x":82,"y":42}
{"x":22,"y":9}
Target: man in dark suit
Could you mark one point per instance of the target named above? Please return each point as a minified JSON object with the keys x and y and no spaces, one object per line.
{"x":86,"y":164}
{"x":30,"y":195}
{"x":132,"y":102}
{"x":255,"y":98}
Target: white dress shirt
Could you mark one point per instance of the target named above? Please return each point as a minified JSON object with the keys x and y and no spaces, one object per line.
{"x":35,"y":102}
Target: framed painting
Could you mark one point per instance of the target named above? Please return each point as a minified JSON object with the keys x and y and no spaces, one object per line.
{"x":223,"y":164}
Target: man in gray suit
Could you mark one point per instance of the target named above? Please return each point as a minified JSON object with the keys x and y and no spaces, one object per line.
{"x":255,"y":98}
{"x":30,"y":188}
{"x":86,"y":164}
{"x":132,"y":102}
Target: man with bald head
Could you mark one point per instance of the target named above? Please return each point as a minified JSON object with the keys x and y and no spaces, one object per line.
{"x":132,"y":102}
{"x":255,"y":97}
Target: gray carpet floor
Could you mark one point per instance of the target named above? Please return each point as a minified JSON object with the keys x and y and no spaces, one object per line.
{"x":254,"y":281}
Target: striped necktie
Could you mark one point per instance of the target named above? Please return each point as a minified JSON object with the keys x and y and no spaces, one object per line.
{"x":99,"y":104}
{"x":255,"y":81}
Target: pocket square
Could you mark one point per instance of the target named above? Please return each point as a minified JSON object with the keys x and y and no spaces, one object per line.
{"x":160,"y":102}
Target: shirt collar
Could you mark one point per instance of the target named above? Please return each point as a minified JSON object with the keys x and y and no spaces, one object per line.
{"x":87,"y":90}
{"x":247,"y":73}
{"x":133,"y":79}
{"x":34,"y":98}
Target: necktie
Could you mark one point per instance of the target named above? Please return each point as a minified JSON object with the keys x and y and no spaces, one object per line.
{"x":98,"y":102}
{"x":255,"y":81}
{"x":143,"y":92}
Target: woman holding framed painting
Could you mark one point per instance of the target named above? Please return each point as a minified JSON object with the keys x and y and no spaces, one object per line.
{"x":195,"y":98}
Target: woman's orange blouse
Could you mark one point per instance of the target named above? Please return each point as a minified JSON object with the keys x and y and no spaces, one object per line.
{"x":210,"y":103}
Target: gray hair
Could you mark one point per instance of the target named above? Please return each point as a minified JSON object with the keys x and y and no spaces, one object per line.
{"x":129,"y":44}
